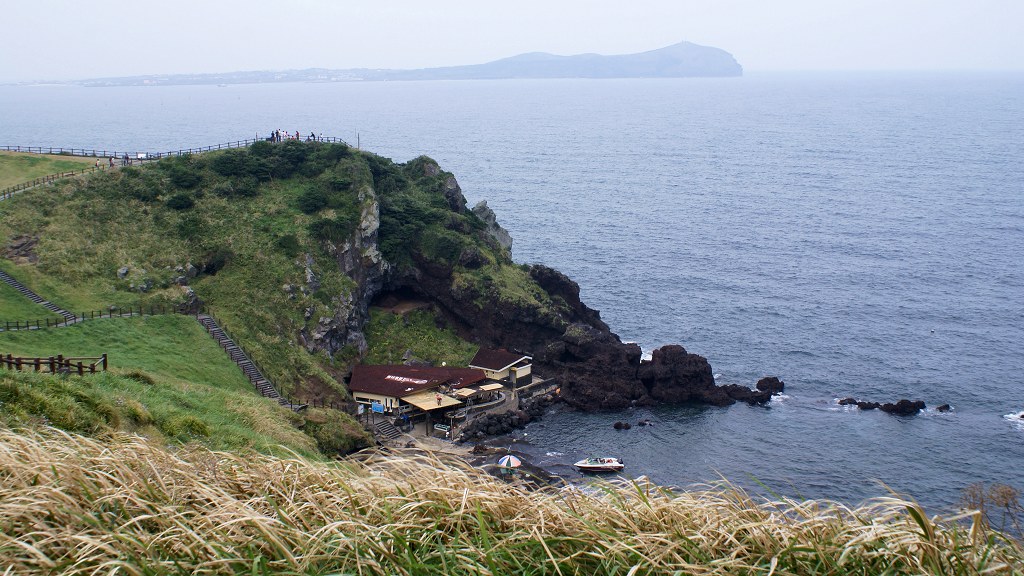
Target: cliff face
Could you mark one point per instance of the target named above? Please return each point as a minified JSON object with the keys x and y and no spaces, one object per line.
{"x":492,"y":301}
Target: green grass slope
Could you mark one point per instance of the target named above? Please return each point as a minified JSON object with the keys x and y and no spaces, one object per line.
{"x":17,"y":167}
{"x":168,"y":381}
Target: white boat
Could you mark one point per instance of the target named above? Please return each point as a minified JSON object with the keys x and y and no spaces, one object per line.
{"x":600,"y":465}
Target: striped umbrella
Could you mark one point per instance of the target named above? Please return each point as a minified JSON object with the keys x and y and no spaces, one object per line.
{"x":509,"y":461}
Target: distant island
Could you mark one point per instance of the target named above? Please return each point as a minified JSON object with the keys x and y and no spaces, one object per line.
{"x":681,"y":60}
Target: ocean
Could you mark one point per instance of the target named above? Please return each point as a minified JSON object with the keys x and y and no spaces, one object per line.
{"x":854,"y":234}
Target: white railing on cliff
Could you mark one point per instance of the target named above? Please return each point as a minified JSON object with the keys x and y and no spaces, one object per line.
{"x":140,"y":155}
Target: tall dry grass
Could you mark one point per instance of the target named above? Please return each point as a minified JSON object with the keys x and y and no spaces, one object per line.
{"x":73,"y":505}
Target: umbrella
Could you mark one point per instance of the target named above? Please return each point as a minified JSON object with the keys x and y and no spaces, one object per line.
{"x":509,"y":461}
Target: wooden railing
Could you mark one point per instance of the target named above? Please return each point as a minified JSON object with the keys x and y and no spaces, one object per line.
{"x":55,"y":364}
{"x":114,"y":312}
{"x":144,"y":156}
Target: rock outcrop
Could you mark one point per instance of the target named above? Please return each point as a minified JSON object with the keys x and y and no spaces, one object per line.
{"x":360,"y":259}
{"x":484,"y":212}
{"x":900,"y":408}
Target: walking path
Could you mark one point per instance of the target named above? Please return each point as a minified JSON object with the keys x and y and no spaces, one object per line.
{"x":239,"y":357}
{"x":69,"y":318}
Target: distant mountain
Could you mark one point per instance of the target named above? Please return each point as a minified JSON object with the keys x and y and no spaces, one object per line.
{"x":679,"y":60}
{"x":684,"y":59}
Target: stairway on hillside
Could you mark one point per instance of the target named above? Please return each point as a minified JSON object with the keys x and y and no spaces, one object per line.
{"x":68,"y":316}
{"x":387,"y":430}
{"x":238,"y":356}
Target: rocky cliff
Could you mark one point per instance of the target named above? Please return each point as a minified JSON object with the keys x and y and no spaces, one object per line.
{"x":464,"y":267}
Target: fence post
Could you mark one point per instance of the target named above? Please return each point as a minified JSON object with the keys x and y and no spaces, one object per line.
{"x":81,"y":369}
{"x":104,"y":362}
{"x":37,"y":361}
{"x":53,"y":369}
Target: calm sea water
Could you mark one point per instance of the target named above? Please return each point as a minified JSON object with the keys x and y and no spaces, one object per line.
{"x":856,"y":235}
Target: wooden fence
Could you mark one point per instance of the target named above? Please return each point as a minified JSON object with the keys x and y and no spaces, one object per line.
{"x":56,"y":364}
{"x":115,"y":312}
{"x":145,"y":156}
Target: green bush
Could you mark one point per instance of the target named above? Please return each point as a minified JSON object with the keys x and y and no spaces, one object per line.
{"x":311,"y":200}
{"x":333,"y":230}
{"x":232,"y":163}
{"x":246,"y":186}
{"x":185,"y":177}
{"x":442,"y":245}
{"x":180,"y":202}
{"x":335,"y":433}
{"x":261,"y":149}
{"x":289,"y":244}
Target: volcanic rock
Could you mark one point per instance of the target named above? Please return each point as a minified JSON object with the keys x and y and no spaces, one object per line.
{"x":771,"y":384}
{"x":904,"y":407}
{"x":674,"y":375}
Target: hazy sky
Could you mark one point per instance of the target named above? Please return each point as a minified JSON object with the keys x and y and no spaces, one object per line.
{"x":73,"y":39}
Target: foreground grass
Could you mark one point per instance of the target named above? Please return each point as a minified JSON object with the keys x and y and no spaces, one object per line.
{"x":72,"y":505}
{"x":18,"y":167}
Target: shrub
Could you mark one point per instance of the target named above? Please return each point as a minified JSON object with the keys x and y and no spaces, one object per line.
{"x":262,"y":149}
{"x":185,"y":177}
{"x":180,"y":202}
{"x":231,"y":163}
{"x":333,"y":230}
{"x":311,"y":200}
{"x":240,"y":187}
{"x":335,"y":433}
{"x":289,"y":244}
{"x":441,"y":245}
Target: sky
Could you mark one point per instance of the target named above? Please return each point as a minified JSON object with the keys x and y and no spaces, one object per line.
{"x":75,"y":39}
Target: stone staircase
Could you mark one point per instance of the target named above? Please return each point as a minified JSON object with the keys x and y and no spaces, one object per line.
{"x":239,"y":357}
{"x":69,"y":318}
{"x":387,"y":430}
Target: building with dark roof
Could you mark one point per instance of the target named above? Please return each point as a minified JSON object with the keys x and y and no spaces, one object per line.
{"x":502,"y":365}
{"x":397,"y":388}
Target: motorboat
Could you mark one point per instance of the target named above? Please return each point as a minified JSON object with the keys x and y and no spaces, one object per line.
{"x":600,"y":465}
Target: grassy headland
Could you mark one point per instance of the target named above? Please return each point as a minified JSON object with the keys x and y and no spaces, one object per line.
{"x":215,"y":479}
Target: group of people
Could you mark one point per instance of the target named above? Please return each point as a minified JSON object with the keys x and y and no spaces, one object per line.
{"x":281,"y":135}
{"x":126,"y":160}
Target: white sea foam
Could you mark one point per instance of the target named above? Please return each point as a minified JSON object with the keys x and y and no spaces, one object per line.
{"x":1017,"y":418}
{"x":554,"y":454}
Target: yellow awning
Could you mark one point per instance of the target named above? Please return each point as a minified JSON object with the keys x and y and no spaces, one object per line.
{"x":427,"y":400}
{"x":489,"y":387}
{"x":465,"y":392}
